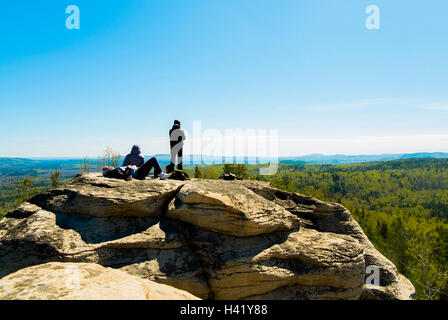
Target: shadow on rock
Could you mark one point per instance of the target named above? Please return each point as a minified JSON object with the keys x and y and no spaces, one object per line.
{"x":95,"y":230}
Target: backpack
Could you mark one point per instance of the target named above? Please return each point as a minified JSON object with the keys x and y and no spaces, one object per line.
{"x":228,"y":176}
{"x":179,"y":175}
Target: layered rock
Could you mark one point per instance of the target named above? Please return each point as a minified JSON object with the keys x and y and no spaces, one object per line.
{"x":334,"y":218}
{"x":89,"y":195}
{"x":30,"y":235}
{"x":214,"y":239}
{"x":243,"y":268}
{"x":229,"y":209}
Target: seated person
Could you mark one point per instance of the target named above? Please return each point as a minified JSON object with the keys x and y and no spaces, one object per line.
{"x":135,"y":158}
{"x":134,"y":166}
{"x":142,"y":172}
{"x":117,"y":173}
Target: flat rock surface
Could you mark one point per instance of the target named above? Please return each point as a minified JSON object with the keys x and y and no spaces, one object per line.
{"x":83,"y":281}
{"x":94,"y":195}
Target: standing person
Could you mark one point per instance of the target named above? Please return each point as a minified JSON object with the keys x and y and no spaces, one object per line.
{"x":177,"y":138}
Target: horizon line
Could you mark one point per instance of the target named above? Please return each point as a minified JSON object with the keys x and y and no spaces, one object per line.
{"x":231,"y":156}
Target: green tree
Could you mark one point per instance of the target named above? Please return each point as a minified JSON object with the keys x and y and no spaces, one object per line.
{"x":240,"y":170}
{"x":384,"y":230}
{"x":23,"y":190}
{"x":210,"y":173}
{"x":54,"y":177}
{"x":428,"y":276}
{"x":198,"y":172}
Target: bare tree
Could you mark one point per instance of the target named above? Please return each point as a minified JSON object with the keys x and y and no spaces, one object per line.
{"x":85,"y":165}
{"x":108,"y":158}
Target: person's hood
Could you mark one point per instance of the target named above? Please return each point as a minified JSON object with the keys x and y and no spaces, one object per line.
{"x":136,"y":150}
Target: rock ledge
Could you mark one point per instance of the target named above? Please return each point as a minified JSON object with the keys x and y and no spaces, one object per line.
{"x":212,"y":239}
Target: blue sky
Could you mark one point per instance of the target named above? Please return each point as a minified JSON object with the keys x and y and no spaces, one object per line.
{"x":309,"y":68}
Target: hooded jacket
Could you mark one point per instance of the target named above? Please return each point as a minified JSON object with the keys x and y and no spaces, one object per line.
{"x":134,"y":158}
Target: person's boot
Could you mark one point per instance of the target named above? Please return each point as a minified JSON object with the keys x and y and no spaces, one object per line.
{"x":170,"y":168}
{"x":180,"y":166}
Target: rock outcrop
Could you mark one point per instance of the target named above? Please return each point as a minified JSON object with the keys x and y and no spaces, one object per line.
{"x":213,"y":239}
{"x":83,"y":281}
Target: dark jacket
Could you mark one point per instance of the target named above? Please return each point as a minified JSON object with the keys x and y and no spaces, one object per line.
{"x":134,"y":158}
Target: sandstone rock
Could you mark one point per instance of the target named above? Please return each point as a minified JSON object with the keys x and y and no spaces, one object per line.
{"x":33,"y":236}
{"x":229,"y":208}
{"x":83,"y":281}
{"x":257,"y":266}
{"x":214,"y":239}
{"x":401,"y":289}
{"x":94,"y":195}
{"x":332,"y":217}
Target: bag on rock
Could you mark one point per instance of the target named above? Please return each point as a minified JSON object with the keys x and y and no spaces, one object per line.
{"x":229,"y":176}
{"x":179,"y":175}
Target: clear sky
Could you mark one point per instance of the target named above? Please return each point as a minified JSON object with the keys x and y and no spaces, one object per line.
{"x":308,"y":68}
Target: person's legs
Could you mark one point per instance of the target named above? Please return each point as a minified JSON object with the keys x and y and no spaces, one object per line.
{"x":157,"y":168}
{"x":173,"y":155}
{"x":147,"y":167}
{"x":179,"y":159}
{"x":170,"y":167}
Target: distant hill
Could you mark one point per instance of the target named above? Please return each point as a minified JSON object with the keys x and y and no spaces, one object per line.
{"x":308,"y":159}
{"x":23,"y":163}
{"x":206,"y":160}
{"x":341,"y":158}
{"x":10,"y":167}
{"x":7,"y":162}
{"x":164,"y":159}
